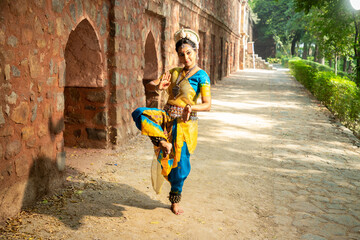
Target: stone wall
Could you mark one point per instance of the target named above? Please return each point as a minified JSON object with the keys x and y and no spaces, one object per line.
{"x":71,"y":73}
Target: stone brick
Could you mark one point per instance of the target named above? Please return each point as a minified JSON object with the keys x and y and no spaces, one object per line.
{"x":41,"y":43}
{"x":21,"y":166}
{"x":73,"y":12}
{"x":40,"y":3}
{"x":34,"y":112}
{"x":50,"y":81}
{"x":47,"y":150}
{"x":6,"y":131}
{"x":43,"y":130}
{"x":11,"y":99}
{"x":2,"y":37}
{"x":57,"y":5}
{"x":59,"y":26}
{"x":1,"y":153}
{"x":79,"y":7}
{"x":60,"y":102}
{"x":21,"y":113}
{"x":15,"y":71}
{"x":105,"y":10}
{"x":2,"y":119}
{"x":27,"y":133}
{"x":98,"y":97}
{"x":12,"y":149}
{"x":68,"y":22}
{"x":34,"y":65}
{"x":12,"y":41}
{"x":7,"y":72}
{"x":96,"y":134}
{"x":26,"y":35}
{"x":62,"y":74}
{"x":101,"y":118}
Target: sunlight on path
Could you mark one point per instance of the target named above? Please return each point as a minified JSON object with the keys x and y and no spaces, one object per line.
{"x":283,"y":156}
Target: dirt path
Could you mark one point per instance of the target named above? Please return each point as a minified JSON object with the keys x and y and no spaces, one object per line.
{"x":271,"y":163}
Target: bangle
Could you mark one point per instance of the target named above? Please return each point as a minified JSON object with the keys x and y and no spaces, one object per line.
{"x":189,"y":106}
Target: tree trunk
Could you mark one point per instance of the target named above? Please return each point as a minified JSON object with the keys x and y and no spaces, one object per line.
{"x":293,"y":44}
{"x":345,"y":64}
{"x":322,"y":61}
{"x":357,"y":52}
{"x":305,"y":51}
{"x":330,"y":63}
{"x":336,"y":64}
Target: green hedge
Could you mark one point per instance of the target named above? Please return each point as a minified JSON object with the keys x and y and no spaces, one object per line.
{"x":339,"y":94}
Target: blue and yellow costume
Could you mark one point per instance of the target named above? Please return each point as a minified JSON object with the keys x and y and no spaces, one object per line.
{"x":165,"y":124}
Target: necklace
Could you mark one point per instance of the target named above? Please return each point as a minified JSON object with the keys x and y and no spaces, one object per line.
{"x":176,"y":89}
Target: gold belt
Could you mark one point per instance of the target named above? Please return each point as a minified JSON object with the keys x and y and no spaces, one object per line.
{"x":176,"y":112}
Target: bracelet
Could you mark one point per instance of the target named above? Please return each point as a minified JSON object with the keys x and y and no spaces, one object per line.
{"x":190,"y":107}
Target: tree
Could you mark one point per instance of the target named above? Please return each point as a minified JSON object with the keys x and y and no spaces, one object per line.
{"x":335,"y":24}
{"x":277,"y":19}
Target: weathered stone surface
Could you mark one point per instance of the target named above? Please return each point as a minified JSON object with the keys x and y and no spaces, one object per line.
{"x":12,"y":149}
{"x":73,"y":12}
{"x":15,"y":71}
{"x":1,"y":152}
{"x":47,"y":150}
{"x":27,"y":133}
{"x":331,"y":230}
{"x":7,"y":72}
{"x":7,"y":130}
{"x":2,"y":37}
{"x":62,"y":74}
{"x":21,"y":166}
{"x":43,"y":130}
{"x":79,"y":7}
{"x":21,"y":113}
{"x":26,"y":36}
{"x":305,"y":207}
{"x":59,"y":26}
{"x":57,"y":5}
{"x":11,"y":99}
{"x":310,"y":236}
{"x":12,"y":41}
{"x":50,"y":81}
{"x":60,"y":102}
{"x":2,"y":119}
{"x":96,"y":134}
{"x":98,"y":97}
{"x":346,"y":220}
{"x":34,"y":112}
{"x":34,"y":65}
{"x":101,"y":118}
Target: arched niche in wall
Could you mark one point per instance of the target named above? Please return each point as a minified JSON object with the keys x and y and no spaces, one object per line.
{"x":83,"y":57}
{"x":150,"y":70}
{"x":86,"y":118}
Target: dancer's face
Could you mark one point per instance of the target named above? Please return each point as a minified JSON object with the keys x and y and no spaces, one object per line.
{"x":187,"y":55}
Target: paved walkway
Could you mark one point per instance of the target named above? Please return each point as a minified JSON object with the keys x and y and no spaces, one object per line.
{"x":310,"y":162}
{"x":271,"y":163}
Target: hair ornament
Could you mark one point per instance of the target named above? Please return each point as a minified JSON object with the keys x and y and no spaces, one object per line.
{"x":189,"y":34}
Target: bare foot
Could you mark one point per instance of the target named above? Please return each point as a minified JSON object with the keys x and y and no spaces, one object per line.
{"x":175,"y":208}
{"x":165,"y":147}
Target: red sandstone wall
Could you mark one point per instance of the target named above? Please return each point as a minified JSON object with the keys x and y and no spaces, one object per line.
{"x":33,"y":37}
